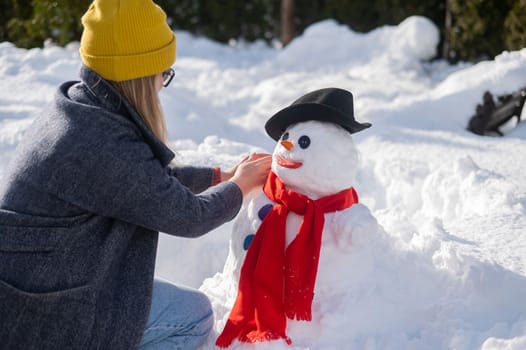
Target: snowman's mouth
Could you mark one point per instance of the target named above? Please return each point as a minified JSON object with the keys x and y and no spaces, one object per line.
{"x":288,"y":163}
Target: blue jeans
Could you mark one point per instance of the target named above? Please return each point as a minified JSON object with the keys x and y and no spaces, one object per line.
{"x":180,"y":318}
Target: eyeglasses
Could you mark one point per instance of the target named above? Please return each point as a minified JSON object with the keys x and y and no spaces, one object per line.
{"x":168,"y":75}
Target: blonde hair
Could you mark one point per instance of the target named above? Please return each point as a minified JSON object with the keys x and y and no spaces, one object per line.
{"x":142,"y":94}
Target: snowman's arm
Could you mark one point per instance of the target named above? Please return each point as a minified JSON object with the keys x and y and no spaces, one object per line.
{"x":351,"y":222}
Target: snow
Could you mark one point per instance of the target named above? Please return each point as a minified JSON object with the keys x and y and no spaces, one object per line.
{"x":446,"y":269}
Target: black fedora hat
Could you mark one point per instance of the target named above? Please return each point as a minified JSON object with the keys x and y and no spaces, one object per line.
{"x":329,"y":105}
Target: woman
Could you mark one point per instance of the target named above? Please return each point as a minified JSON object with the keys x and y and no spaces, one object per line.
{"x":88,"y":190}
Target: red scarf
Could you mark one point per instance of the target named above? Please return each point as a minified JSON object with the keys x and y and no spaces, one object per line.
{"x":276,"y":283}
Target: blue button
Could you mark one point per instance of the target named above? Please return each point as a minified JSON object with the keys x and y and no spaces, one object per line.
{"x":248,"y":240}
{"x":264,"y":211}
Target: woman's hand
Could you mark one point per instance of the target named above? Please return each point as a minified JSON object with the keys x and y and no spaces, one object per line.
{"x":250,"y":173}
{"x":227,"y":175}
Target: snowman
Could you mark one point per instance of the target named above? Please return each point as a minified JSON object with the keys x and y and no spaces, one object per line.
{"x":289,"y":235}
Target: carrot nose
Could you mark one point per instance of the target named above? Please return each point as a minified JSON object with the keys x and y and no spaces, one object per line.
{"x":287,"y":144}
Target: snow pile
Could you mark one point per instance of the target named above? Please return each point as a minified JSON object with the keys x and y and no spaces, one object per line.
{"x":446,"y":268}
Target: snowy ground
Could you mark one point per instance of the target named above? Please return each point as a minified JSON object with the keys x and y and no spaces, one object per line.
{"x":450,"y":271}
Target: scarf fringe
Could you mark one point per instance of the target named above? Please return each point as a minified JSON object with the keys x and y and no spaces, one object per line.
{"x":261,"y":336}
{"x":298,"y":305}
{"x":303,"y":315}
{"x":224,"y":343}
{"x":228,"y":335}
{"x":225,"y":340}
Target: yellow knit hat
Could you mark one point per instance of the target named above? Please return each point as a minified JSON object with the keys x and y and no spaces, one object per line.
{"x":126,"y":39}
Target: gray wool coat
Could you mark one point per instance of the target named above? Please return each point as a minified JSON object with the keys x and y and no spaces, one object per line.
{"x":80,"y":209}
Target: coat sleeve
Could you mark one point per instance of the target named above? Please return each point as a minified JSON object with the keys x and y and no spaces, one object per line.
{"x":121,"y":178}
{"x":197,"y":179}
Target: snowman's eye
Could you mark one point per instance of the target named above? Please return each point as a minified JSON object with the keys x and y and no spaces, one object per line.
{"x":285,"y":136}
{"x":304,"y":141}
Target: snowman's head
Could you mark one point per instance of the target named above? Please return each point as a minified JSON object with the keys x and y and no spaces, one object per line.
{"x":315,"y":158}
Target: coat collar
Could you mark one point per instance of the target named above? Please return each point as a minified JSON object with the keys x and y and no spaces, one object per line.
{"x":113,"y":101}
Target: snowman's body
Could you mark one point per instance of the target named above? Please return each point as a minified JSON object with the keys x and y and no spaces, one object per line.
{"x":316,"y":159}
{"x":336,"y":231}
{"x":313,"y":158}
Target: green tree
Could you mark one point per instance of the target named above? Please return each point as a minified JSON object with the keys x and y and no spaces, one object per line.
{"x":13,"y":15}
{"x":515,"y":26}
{"x":31,"y":22}
{"x":58,"y":20}
{"x":224,"y":20}
{"x":477,"y":29}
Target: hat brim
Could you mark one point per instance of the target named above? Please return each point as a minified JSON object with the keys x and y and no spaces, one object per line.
{"x":127,"y":67}
{"x":293,"y":114}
